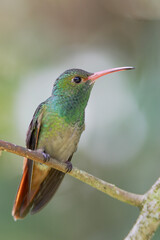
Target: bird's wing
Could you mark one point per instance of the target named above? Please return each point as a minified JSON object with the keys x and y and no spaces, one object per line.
{"x":28,"y":187}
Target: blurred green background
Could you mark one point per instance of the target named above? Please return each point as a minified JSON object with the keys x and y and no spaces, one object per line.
{"x":121,"y":143}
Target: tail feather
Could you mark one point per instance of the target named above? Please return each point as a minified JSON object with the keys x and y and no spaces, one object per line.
{"x":47,"y":190}
{"x":37,"y":187}
{"x":22,"y":196}
{"x":28,"y":188}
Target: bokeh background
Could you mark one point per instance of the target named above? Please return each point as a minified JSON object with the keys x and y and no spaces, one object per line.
{"x":121,"y":143}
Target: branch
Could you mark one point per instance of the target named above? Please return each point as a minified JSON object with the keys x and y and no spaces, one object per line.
{"x":149,"y":218}
{"x":108,"y":188}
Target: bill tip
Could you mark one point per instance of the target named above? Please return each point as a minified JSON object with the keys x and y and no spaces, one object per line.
{"x":130,"y":68}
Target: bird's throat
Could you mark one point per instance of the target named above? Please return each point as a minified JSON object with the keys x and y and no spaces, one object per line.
{"x":72,"y":107}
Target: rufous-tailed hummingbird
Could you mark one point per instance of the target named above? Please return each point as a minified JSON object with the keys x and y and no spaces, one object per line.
{"x":55,"y":129}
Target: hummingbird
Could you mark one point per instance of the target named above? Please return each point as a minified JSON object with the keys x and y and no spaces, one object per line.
{"x":55,"y":129}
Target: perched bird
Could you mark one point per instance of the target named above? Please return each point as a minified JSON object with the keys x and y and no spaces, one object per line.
{"x":55,"y":130}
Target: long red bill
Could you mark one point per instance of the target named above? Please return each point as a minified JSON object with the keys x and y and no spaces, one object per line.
{"x":97,"y":75}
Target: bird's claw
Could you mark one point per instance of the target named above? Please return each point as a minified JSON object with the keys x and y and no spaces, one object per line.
{"x":69,"y":166}
{"x":46,"y":157}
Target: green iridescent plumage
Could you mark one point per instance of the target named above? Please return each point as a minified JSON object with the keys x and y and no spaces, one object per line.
{"x":70,"y":98}
{"x":63,"y":115}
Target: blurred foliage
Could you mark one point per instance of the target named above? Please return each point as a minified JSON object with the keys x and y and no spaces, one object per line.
{"x":41,"y":35}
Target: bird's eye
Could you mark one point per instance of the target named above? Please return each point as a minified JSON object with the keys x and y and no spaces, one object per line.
{"x":77,"y":79}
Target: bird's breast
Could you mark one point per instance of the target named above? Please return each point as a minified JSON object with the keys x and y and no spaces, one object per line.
{"x":62,"y":146}
{"x":59,"y":139}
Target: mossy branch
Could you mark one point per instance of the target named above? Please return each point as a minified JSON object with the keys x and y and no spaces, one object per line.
{"x":149,"y":218}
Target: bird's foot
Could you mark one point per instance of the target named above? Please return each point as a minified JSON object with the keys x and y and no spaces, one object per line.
{"x":46,"y":156}
{"x":69,"y":166}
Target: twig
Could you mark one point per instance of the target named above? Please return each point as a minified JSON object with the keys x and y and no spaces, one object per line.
{"x":108,"y":188}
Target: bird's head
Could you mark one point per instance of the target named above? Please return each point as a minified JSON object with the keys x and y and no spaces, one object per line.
{"x":77,"y":81}
{"x":72,"y":89}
